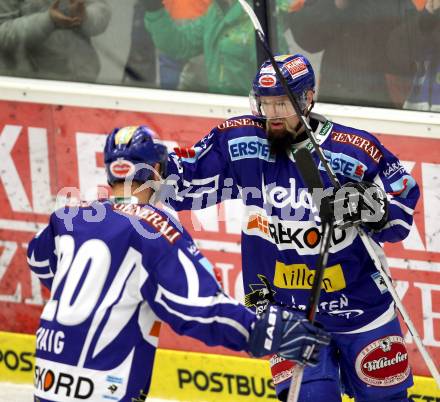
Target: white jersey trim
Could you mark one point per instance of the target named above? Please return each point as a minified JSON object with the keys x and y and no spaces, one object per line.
{"x":37,"y":264}
{"x":396,"y":222}
{"x":409,"y":211}
{"x":200,"y":302}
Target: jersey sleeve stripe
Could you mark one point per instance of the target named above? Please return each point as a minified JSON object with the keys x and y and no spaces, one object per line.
{"x":207,"y":301}
{"x":38,"y":264}
{"x":409,"y":211}
{"x":44,"y":276}
{"x":191,"y":275}
{"x":201,"y":301}
{"x":40,"y":271}
{"x":396,"y":222}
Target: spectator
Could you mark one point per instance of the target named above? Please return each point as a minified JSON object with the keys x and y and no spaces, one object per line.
{"x":51,"y":39}
{"x":186,"y":9}
{"x":174,"y":73}
{"x":223,"y":34}
{"x":414,"y":50}
{"x":353,"y":37}
{"x":141,"y":67}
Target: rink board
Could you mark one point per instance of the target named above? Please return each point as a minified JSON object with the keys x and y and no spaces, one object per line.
{"x":186,"y":376}
{"x":57,"y":140}
{"x":48,"y":146}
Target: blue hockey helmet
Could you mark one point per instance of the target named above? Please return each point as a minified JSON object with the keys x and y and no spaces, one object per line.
{"x":128,"y":146}
{"x":297,"y":71}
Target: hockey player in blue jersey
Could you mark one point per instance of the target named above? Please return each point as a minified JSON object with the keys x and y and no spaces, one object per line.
{"x":116,"y":269}
{"x":253,"y":158}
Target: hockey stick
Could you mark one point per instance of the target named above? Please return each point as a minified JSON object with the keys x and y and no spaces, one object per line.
{"x":312,"y":178}
{"x":292,"y":99}
{"x":335,"y":182}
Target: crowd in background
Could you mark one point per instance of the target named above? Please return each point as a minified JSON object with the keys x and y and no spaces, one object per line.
{"x":368,"y":53}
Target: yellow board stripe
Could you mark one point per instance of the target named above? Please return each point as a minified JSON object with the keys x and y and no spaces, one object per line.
{"x":186,"y":376}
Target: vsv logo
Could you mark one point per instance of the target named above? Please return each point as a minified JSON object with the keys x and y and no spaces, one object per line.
{"x":250,"y":147}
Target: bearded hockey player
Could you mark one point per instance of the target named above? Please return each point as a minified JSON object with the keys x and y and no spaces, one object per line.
{"x":253,"y":158}
{"x":119,"y":268}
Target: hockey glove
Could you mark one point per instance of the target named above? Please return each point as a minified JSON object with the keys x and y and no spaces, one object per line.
{"x":361,"y":203}
{"x":282,"y":331}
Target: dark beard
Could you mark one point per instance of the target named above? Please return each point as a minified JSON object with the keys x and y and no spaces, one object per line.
{"x":280,"y":143}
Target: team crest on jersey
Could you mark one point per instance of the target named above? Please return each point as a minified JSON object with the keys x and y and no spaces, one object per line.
{"x":384,"y":362}
{"x":380,"y":282}
{"x":122,"y":168}
{"x":260,"y":296}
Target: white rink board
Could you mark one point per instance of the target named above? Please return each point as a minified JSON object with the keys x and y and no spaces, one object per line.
{"x":15,"y":392}
{"x":376,"y":120}
{"x":23,"y":393}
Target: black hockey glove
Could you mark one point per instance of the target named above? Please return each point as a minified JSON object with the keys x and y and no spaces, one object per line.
{"x":279,"y":330}
{"x":361,"y":203}
{"x":153,"y":5}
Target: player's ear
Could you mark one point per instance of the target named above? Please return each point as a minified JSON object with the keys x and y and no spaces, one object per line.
{"x":310,"y":93}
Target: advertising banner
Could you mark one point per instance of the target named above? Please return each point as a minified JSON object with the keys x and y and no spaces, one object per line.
{"x":186,"y":376}
{"x":44,"y":148}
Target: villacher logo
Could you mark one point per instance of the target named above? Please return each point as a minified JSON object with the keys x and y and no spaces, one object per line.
{"x":383,"y":362}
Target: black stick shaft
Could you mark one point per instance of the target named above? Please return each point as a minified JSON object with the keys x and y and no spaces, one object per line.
{"x":315,"y":293}
{"x":311,"y":176}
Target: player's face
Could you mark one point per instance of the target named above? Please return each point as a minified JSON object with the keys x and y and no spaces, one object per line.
{"x":280,"y":114}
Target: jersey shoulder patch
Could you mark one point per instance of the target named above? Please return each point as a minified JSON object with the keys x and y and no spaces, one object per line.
{"x":358,"y":139}
{"x":158,"y":220}
{"x":246,"y":138}
{"x":241,"y":121}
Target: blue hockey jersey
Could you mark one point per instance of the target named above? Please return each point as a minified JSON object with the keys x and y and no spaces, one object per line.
{"x":280,"y":229}
{"x":115,"y":271}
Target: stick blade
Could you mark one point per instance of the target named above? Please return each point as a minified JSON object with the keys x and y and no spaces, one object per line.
{"x":250,"y":12}
{"x":308,"y":170}
{"x":311,"y":176}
